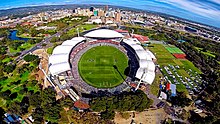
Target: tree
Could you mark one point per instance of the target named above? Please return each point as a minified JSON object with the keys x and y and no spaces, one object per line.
{"x":54,"y":39}
{"x":64,"y":37}
{"x":52,"y":112}
{"x":126,"y":101}
{"x":3,"y":50}
{"x":2,"y":112}
{"x":35,"y":99}
{"x":15,"y":108}
{"x":13,"y":95}
{"x":33,"y":32}
{"x":24,"y":105}
{"x":38,"y":115}
{"x":9,"y":68}
{"x":181,"y":100}
{"x":30,"y":58}
{"x":67,"y":102}
{"x":5,"y":94}
{"x":108,"y":115}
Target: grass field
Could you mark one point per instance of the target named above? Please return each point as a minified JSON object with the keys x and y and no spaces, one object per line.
{"x":82,"y":28}
{"x":103,"y":66}
{"x":173,"y":49}
{"x":164,"y":58}
{"x":24,"y":46}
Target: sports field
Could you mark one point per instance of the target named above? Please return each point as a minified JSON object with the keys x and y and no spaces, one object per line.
{"x":173,"y":49}
{"x":103,"y":66}
{"x":165,"y":58}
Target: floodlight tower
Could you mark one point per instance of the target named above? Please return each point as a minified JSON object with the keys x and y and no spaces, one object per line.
{"x":77,"y":31}
{"x":40,"y":67}
{"x":140,"y":80}
{"x":132,"y":32}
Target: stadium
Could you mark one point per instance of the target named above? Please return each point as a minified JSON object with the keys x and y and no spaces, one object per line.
{"x":103,"y":60}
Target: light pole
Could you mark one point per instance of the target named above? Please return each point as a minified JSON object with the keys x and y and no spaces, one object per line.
{"x":77,"y":31}
{"x":40,"y":67}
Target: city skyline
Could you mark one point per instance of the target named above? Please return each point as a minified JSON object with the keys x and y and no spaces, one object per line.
{"x":205,"y":11}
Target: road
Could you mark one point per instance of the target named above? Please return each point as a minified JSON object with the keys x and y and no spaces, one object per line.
{"x":45,"y":41}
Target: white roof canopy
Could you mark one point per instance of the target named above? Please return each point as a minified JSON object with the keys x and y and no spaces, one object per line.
{"x":104,"y":33}
{"x":146,"y":66}
{"x":131,"y":41}
{"x":62,"y":49}
{"x":58,"y":58}
{"x":72,"y":42}
{"x":142,"y":54}
{"x":151,"y":54}
{"x":59,"y":68}
{"x":145,"y":75}
{"x":136,"y":47}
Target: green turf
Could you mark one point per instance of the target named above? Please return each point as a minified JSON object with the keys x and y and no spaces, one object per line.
{"x":174,"y":50}
{"x":96,"y":66}
{"x":164,"y":58}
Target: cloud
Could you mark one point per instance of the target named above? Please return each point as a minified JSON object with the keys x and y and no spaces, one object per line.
{"x":215,"y":1}
{"x":198,"y":7}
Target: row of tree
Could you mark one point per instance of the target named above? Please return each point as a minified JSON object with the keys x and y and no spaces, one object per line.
{"x":127,"y":101}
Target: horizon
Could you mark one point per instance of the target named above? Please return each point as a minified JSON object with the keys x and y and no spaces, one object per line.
{"x":204,"y":12}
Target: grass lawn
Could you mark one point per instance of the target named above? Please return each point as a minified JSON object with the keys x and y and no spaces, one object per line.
{"x":6,"y":60}
{"x":82,"y":28}
{"x":50,"y":50}
{"x":189,"y":65}
{"x":207,"y":53}
{"x":25,"y":36}
{"x":88,"y":26}
{"x":24,"y":46}
{"x":96,"y":66}
{"x":154,"y":87}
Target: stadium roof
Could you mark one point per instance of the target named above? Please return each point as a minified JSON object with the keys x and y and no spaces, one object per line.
{"x":59,"y":68}
{"x":143,"y":63}
{"x":103,"y":33}
{"x":131,"y":41}
{"x":145,"y":75}
{"x":149,"y":65}
{"x":146,"y":66}
{"x":149,"y":77}
{"x":73,"y":41}
{"x":58,"y":58}
{"x":136,"y":47}
{"x":62,"y":49}
{"x":142,"y":54}
{"x":151,"y":54}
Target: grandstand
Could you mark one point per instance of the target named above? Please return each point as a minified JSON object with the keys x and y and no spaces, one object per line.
{"x":63,"y":63}
{"x":146,"y":70}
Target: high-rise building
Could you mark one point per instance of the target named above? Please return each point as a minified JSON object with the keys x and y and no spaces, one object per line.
{"x":95,"y":12}
{"x":118,"y":17}
{"x":91,"y":9}
{"x":101,"y":13}
{"x":106,"y":8}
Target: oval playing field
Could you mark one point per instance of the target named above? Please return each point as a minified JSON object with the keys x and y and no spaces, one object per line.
{"x":103,"y":66}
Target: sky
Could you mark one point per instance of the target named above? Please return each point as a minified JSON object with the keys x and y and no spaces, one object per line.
{"x":203,"y":11}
